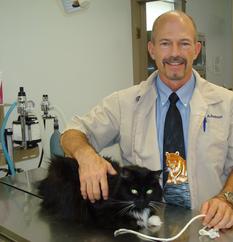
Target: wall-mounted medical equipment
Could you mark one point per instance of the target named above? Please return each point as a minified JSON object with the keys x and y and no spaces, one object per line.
{"x":26,"y":130}
{"x":54,"y":141}
{"x":30,"y":129}
{"x":55,"y":146}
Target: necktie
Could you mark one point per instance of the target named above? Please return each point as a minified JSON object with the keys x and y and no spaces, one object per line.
{"x":173,"y":133}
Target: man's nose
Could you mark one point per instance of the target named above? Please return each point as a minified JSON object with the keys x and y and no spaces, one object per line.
{"x":175,"y":51}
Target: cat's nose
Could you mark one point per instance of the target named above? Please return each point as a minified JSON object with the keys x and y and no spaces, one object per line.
{"x":140,"y":204}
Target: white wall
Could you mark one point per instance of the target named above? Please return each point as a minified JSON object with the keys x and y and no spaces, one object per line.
{"x":214,"y":19}
{"x":79,"y":58}
{"x":75,"y":58}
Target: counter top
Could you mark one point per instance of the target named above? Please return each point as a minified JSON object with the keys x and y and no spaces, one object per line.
{"x":21,"y":219}
{"x":26,"y":181}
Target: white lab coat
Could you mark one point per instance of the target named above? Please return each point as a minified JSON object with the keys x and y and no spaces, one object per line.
{"x":128,"y":117}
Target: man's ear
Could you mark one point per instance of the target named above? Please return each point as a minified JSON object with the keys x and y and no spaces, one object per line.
{"x":150,"y":47}
{"x":197,"y":49}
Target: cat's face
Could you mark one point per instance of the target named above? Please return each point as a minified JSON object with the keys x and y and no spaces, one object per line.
{"x":140,"y":188}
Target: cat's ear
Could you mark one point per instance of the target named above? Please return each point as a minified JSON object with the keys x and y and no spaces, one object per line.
{"x":125,"y":173}
{"x":157,"y":174}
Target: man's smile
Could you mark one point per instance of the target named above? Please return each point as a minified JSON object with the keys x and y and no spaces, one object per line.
{"x":174,"y":60}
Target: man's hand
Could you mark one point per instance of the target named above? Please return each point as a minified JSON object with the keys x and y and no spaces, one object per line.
{"x":93,"y":169}
{"x":93,"y":177}
{"x":219,"y":213}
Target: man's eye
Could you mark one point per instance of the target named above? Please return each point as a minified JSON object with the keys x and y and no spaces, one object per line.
{"x":185,"y":44}
{"x":134,"y":191}
{"x":164,"y":44}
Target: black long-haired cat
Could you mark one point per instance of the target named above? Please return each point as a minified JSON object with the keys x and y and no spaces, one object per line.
{"x":134,"y":195}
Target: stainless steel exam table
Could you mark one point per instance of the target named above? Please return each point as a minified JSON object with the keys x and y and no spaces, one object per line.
{"x":21,"y":219}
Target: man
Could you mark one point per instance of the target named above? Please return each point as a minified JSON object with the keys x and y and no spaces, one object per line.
{"x":135,"y":118}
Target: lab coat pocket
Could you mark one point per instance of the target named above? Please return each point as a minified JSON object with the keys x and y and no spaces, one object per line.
{"x":213,"y":141}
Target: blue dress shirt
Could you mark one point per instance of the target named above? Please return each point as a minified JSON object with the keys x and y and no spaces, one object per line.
{"x":162,"y":104}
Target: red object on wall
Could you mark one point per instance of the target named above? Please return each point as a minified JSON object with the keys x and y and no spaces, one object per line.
{"x":1,"y":94}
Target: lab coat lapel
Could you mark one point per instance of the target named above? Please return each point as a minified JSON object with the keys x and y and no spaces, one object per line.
{"x":146,"y":148}
{"x":198,"y":110}
{"x":203,"y":96}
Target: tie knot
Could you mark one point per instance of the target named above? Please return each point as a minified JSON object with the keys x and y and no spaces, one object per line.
{"x":173,"y":98}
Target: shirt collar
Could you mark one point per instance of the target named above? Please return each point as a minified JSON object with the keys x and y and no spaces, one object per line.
{"x":184,"y":93}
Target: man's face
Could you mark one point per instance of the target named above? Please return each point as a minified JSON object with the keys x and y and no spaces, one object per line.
{"x":174,"y":49}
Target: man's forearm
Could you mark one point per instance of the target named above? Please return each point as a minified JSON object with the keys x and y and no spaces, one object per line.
{"x":75,"y":144}
{"x":229,"y":183}
{"x":228,"y":187}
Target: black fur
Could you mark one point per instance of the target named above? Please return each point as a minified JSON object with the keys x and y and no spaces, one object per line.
{"x":133,"y":185}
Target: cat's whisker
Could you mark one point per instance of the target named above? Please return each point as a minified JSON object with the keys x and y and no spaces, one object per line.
{"x":120,"y":202}
{"x":157,"y":203}
{"x":154,"y":206}
{"x":124,"y":210}
{"x":111,"y":200}
{"x":131,"y":208}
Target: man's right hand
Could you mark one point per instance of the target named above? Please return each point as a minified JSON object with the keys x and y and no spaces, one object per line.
{"x":93,"y":170}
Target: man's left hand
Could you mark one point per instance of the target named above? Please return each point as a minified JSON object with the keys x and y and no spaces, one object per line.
{"x":219,"y":213}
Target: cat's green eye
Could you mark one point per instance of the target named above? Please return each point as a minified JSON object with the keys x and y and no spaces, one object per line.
{"x":134,"y":191}
{"x":148,"y":192}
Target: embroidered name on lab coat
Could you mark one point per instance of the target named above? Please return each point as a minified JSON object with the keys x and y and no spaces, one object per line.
{"x":214,"y":116}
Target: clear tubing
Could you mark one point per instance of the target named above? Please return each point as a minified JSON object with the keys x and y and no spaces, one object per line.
{"x":10,"y":162}
{"x":60,"y":113}
{"x":45,"y":146}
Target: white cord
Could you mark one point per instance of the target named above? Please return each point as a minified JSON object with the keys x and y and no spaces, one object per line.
{"x":143,"y":236}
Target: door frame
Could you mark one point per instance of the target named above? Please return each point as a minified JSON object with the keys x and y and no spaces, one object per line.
{"x":139,"y":36}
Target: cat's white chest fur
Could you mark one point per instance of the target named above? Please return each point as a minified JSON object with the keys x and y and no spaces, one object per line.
{"x":143,"y":219}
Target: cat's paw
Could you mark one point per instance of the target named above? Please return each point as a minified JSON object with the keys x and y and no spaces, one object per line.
{"x":154,"y":221}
